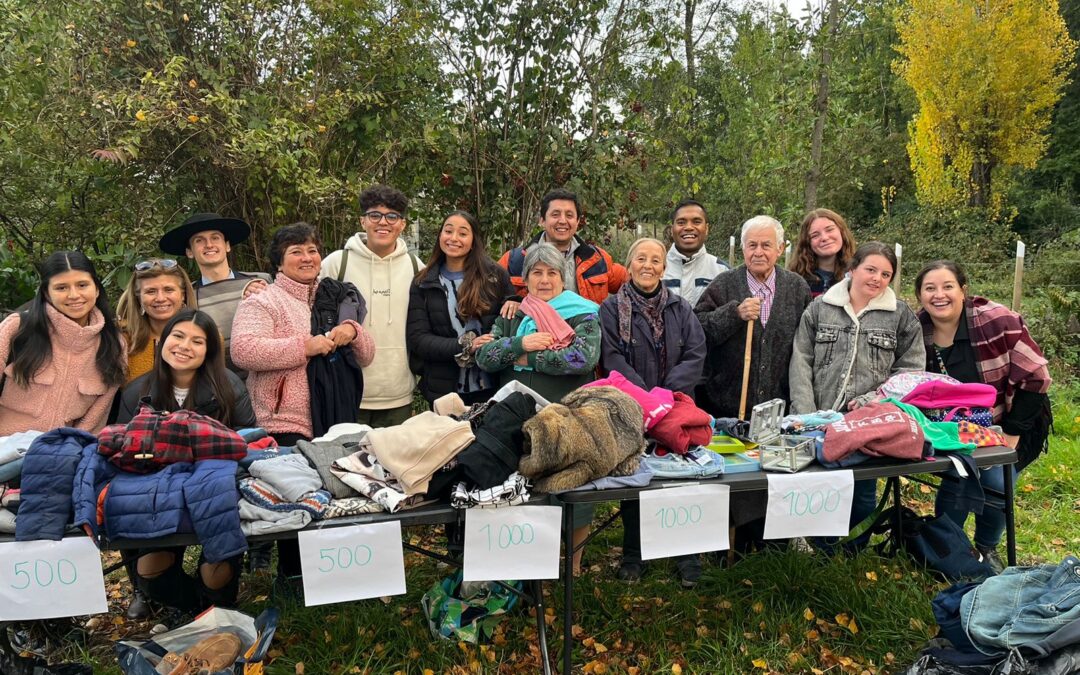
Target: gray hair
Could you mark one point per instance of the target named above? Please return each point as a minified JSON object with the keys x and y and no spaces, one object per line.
{"x":639,"y":242}
{"x":546,"y":253}
{"x":759,"y":222}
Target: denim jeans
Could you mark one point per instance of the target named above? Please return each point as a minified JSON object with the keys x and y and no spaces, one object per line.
{"x":1022,"y":606}
{"x":678,"y":466}
{"x":990,"y":524}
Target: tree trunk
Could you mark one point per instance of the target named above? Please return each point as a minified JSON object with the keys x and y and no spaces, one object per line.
{"x":821,"y":108}
{"x":690,"y":7}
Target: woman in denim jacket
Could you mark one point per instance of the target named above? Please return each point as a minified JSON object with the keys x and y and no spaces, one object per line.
{"x":850,"y":340}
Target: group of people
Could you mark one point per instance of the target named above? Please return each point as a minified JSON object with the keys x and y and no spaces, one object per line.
{"x":553,"y":314}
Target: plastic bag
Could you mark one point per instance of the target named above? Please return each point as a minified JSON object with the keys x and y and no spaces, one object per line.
{"x":255,"y":636}
{"x":467,"y":612}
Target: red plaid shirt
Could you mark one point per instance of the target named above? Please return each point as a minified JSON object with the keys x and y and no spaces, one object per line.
{"x":153,"y":439}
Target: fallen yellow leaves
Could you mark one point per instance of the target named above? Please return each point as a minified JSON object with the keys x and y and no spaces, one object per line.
{"x":808,"y":615}
{"x":847,"y":622}
{"x":760,"y":663}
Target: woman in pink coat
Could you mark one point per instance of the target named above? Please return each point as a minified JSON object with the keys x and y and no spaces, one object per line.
{"x":64,"y":355}
{"x":272,"y":338}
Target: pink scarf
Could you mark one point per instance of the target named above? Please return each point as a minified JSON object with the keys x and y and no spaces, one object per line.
{"x":548,"y":321}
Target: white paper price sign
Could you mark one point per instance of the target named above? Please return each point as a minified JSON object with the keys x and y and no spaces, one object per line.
{"x":517,"y":542}
{"x":813,"y":504}
{"x":352,"y":563}
{"x":50,"y":579}
{"x":683,"y":520}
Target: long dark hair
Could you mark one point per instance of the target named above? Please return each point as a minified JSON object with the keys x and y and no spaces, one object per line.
{"x":32,"y":344}
{"x":803,"y":259}
{"x":209,"y":376}
{"x":478,"y":289}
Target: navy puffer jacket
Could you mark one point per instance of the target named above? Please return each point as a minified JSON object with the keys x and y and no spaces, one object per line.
{"x":63,"y":474}
{"x":48,"y":474}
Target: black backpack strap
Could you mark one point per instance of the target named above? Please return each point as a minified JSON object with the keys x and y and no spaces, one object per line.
{"x":343,"y":264}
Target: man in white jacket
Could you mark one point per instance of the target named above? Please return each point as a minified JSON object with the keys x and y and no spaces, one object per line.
{"x":382,"y":269}
{"x":690,"y":268}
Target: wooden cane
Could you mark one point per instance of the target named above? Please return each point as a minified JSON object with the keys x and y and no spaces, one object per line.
{"x":746,"y":369}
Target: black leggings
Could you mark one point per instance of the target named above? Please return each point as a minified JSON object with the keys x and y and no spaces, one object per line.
{"x":176,"y":588}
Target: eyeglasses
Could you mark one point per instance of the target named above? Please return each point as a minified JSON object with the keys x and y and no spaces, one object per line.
{"x":376,"y":216}
{"x":151,"y":263}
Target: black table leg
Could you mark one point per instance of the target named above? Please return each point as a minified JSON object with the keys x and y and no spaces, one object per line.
{"x":568,"y":587}
{"x":541,"y":627}
{"x":1010,"y":523}
{"x":898,"y":523}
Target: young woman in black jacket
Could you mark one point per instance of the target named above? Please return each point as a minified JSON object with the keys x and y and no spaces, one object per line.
{"x":453,"y":303}
{"x":189,"y":373}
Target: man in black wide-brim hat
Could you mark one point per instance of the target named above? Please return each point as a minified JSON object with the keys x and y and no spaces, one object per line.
{"x":207,"y":238}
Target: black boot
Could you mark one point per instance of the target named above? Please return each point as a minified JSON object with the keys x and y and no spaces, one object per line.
{"x":139,"y":607}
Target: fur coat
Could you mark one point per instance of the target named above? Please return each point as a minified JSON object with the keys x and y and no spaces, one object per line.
{"x":594,"y":432}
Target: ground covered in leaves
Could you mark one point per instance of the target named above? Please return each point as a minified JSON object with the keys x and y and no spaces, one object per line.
{"x":782,"y":612}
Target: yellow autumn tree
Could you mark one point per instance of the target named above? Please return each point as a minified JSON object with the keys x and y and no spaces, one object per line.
{"x":986,"y":74}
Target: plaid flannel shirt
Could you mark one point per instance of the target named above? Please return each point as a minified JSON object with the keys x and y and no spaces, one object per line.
{"x":153,"y":439}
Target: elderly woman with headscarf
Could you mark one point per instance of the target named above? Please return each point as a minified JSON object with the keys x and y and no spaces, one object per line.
{"x":552,"y":344}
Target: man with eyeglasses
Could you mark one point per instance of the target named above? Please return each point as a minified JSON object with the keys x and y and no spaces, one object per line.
{"x":379,"y":264}
{"x":595,"y":274}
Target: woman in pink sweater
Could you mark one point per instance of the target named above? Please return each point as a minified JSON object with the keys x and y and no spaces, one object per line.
{"x":272,"y":339}
{"x":64,"y":355}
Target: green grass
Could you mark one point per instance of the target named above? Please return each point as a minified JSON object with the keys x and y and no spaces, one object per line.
{"x":780,"y":612}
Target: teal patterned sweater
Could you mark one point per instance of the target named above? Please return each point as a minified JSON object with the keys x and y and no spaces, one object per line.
{"x":580,"y":357}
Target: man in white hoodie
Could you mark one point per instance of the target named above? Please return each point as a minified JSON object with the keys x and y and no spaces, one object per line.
{"x":382,"y":269}
{"x":690,"y":268}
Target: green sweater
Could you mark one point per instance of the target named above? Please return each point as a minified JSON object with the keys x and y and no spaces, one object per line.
{"x":942,"y":435}
{"x":552,"y":373}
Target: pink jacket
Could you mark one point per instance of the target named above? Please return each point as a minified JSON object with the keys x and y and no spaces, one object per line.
{"x":268,"y":336}
{"x":69,"y":390}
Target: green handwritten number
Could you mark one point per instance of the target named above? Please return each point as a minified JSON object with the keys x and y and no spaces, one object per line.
{"x":45,"y":573}
{"x":60,"y":571}
{"x":836,"y":504}
{"x":343,"y":557}
{"x":324,"y":555}
{"x":487,"y":528}
{"x":24,"y":573}
{"x":37,"y":573}
{"x":802,"y":503}
{"x":681,"y":516}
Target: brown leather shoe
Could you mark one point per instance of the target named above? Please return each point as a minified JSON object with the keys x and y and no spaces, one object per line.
{"x":174,"y":664}
{"x":217,"y":652}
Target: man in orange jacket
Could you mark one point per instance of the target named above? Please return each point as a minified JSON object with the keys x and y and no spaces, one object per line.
{"x":595,"y":274}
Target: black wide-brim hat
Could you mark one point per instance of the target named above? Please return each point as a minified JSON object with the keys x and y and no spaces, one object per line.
{"x":175,"y":241}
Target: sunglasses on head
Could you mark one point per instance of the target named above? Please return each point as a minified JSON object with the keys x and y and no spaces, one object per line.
{"x":163,"y":263}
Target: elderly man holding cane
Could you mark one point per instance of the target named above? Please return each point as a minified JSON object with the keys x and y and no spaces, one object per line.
{"x":754,"y":308}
